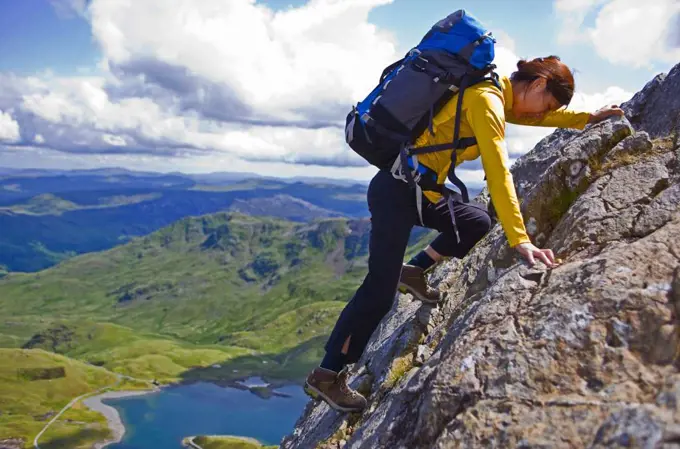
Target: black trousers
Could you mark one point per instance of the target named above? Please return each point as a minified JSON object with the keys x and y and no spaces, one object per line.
{"x":392,"y":204}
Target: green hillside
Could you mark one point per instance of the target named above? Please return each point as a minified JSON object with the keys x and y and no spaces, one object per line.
{"x":213,"y":297}
{"x":227,"y":442}
{"x":35,"y":385}
{"x":128,"y":352}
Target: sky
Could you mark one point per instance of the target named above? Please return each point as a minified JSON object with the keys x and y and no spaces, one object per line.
{"x":264,"y":86}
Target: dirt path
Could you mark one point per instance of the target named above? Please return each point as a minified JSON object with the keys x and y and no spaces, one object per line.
{"x":93,"y":401}
{"x":63,"y":410}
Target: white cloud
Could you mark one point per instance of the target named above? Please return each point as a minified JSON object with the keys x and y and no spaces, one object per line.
{"x":504,"y":40}
{"x":505,"y":60}
{"x":226,"y":79}
{"x":221,"y":85}
{"x":78,"y":115}
{"x":301,"y":63}
{"x":613,"y":95}
{"x":625,"y":32}
{"x":573,"y":14}
{"x":9,"y":128}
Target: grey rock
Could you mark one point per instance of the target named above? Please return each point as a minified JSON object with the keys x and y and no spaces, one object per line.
{"x":620,"y":204}
{"x":548,"y":197}
{"x":631,"y":427}
{"x":658,"y":212}
{"x":422,"y":354}
{"x":630,"y":146}
{"x":427,"y":315}
{"x":397,"y":332}
{"x":656,"y":108}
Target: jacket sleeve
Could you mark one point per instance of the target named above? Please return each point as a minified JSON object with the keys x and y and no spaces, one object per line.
{"x":487,"y":120}
{"x":561,"y":118}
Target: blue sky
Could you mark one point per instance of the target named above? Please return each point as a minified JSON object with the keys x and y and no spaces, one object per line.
{"x":35,"y":36}
{"x":219,"y":85}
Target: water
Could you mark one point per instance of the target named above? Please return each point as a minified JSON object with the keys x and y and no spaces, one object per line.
{"x":161,"y":420}
{"x":253,"y":382}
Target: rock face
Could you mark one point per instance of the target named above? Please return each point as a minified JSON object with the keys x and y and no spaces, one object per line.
{"x":656,"y":107}
{"x":582,"y":355}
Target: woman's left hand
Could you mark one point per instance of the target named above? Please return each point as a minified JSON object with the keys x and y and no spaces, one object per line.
{"x":605,"y":112}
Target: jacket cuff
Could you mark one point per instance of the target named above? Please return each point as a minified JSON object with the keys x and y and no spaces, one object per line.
{"x":520,"y":240}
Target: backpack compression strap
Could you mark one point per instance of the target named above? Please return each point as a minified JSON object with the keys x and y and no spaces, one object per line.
{"x":456,"y":141}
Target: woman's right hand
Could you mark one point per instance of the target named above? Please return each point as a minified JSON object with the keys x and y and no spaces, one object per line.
{"x":531,"y":253}
{"x":605,"y":112}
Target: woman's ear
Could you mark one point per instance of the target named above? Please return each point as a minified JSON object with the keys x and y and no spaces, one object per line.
{"x":539,"y":84}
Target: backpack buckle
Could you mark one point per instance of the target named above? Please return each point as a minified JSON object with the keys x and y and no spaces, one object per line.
{"x":417,"y":66}
{"x":366,"y":118}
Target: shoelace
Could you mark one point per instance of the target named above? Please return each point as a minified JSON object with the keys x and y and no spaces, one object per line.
{"x":341,"y":380}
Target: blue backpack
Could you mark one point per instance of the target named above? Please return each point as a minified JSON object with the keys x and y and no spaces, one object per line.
{"x":455,"y":54}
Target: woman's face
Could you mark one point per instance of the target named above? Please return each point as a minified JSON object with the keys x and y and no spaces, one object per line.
{"x":534,"y":101}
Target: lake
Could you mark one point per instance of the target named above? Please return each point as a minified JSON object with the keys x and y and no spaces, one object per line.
{"x":163,"y":419}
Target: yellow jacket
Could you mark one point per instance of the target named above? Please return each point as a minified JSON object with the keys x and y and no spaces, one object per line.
{"x":486,"y":109}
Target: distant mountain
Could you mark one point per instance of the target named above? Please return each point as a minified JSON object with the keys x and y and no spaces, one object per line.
{"x":326,"y":181}
{"x":46,"y":217}
{"x":199,"y":178}
{"x":113,"y":171}
{"x":282,"y":206}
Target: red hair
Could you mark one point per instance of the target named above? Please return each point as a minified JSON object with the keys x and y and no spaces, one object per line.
{"x":559,"y":79}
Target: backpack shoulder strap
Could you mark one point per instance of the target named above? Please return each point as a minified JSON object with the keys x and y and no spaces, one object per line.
{"x":465,"y":82}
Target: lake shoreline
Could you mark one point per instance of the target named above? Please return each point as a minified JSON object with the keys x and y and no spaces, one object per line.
{"x":115,"y":422}
{"x":242,"y":383}
{"x":113,"y":419}
{"x":238,"y":381}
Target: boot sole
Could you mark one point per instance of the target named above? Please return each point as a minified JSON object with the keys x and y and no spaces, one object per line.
{"x":405,"y":289}
{"x":316,"y":394}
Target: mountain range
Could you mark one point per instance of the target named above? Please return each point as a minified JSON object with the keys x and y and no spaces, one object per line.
{"x":49,"y":217}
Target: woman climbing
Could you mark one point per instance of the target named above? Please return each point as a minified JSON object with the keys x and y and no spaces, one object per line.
{"x":536,"y":94}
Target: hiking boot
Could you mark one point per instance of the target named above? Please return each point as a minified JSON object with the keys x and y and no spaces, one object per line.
{"x":413,"y":281}
{"x":332,"y":387}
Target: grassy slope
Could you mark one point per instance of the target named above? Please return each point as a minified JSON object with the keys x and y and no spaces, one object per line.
{"x":226,"y":285}
{"x":126,"y":351}
{"x":28,"y":402}
{"x":226,"y":442}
